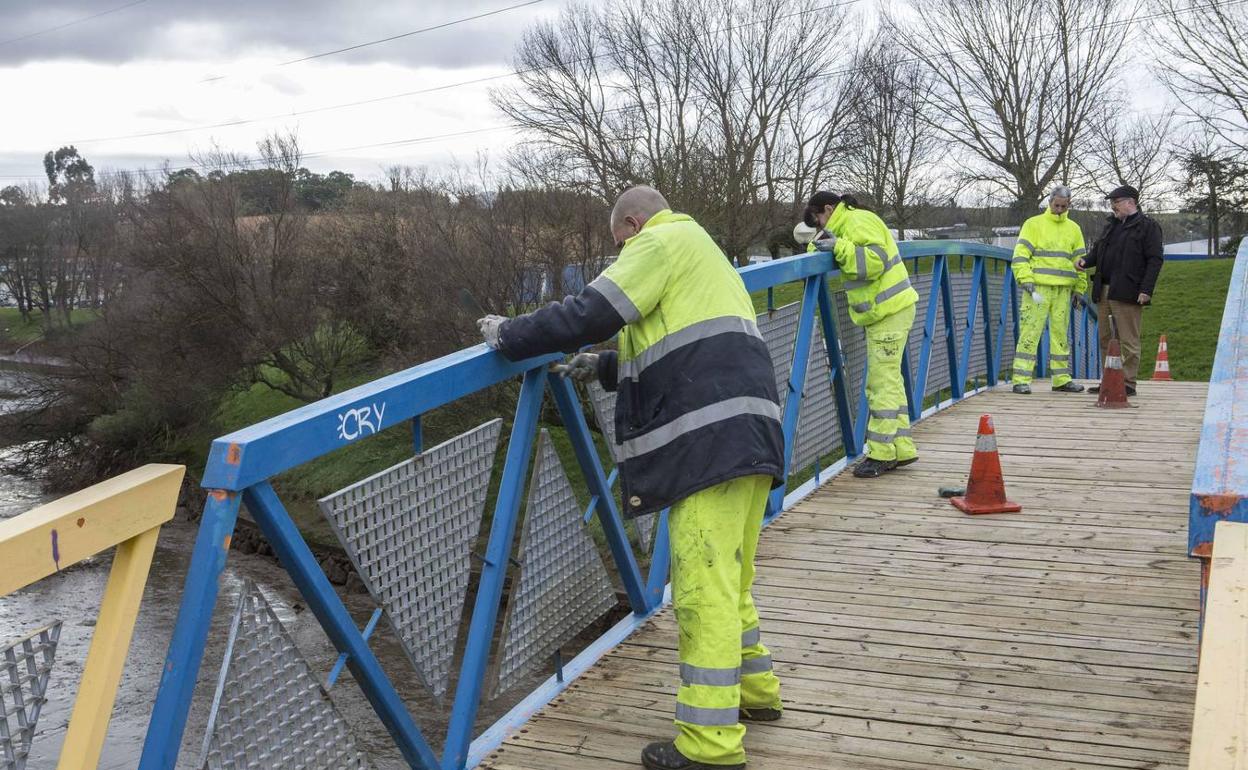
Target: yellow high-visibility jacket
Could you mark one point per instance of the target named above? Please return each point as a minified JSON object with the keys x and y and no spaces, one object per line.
{"x":1047,"y":248}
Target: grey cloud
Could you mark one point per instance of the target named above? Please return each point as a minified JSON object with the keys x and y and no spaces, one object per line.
{"x":307,"y":27}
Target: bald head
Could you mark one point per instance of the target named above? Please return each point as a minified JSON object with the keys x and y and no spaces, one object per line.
{"x":633,"y":209}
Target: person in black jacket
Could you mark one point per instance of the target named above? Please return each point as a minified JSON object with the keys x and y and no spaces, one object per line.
{"x":1127,"y":258}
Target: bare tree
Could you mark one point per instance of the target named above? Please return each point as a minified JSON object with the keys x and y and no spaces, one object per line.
{"x":1206,"y":64}
{"x":897,"y":149}
{"x":1138,"y":150}
{"x":712,"y":101}
{"x":1018,"y":80}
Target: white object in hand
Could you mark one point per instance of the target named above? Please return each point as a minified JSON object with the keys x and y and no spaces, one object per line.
{"x":1037,"y":297}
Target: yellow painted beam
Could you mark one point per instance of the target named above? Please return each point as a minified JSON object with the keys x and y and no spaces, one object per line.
{"x":93,"y":708}
{"x":1220,"y":728}
{"x":51,"y":537}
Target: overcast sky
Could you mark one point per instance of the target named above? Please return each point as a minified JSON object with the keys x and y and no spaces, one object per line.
{"x":94,"y":73}
{"x":155,"y":66}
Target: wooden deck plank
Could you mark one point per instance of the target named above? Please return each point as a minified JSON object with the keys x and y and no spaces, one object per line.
{"x":912,"y":637}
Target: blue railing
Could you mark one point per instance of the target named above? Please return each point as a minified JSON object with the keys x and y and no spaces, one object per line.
{"x":964,"y":345}
{"x":1220,"y":484}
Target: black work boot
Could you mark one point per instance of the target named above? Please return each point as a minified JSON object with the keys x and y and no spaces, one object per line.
{"x":871,"y":468}
{"x":664,"y":755}
{"x":1023,"y":388}
{"x":1070,"y":387}
{"x":759,"y":714}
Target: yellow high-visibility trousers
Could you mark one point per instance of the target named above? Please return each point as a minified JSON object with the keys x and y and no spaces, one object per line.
{"x":723,"y":663}
{"x":888,"y":426}
{"x":1054,"y":307}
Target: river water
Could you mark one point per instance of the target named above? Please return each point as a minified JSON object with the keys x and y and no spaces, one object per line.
{"x":72,"y":596}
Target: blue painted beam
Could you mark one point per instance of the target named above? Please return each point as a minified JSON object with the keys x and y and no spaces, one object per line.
{"x":1220,"y":484}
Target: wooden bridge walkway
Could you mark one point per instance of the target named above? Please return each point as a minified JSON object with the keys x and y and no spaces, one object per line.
{"x":912,"y":637}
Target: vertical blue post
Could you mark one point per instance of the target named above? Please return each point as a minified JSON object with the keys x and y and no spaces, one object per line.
{"x":306,"y":573}
{"x":1007,"y":288}
{"x":914,"y":402}
{"x":968,"y":334}
{"x":991,"y":361}
{"x":660,"y":560}
{"x":840,"y":381}
{"x":957,"y":377}
{"x":190,"y":632}
{"x":493,"y":571}
{"x":929,"y":327}
{"x":797,"y":382}
{"x":1042,"y":354}
{"x":612,"y":524}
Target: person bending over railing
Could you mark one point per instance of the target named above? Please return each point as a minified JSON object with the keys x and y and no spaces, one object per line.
{"x":698,"y":428}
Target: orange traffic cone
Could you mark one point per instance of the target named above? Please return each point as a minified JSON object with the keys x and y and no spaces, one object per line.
{"x":985,"y":492}
{"x":1113,"y":392}
{"x":1161,"y":371}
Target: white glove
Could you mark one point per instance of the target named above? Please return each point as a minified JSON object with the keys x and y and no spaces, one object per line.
{"x":1037,"y":297}
{"x":826,"y":243}
{"x":804,"y":233}
{"x":583,"y":367}
{"x":490,"y":326}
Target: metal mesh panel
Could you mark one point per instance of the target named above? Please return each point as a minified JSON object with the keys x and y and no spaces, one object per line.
{"x":270,"y":710}
{"x":818,"y":427}
{"x":853,"y":351}
{"x":603,"y":402}
{"x":938,"y":360}
{"x":779,"y":330}
{"x":409,"y":531}
{"x":1007,"y":333}
{"x":563,"y":585}
{"x":27,"y":664}
{"x":645,"y":530}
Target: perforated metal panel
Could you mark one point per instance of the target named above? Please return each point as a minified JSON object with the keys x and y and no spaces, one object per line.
{"x":563,"y":585}
{"x":645,"y":530}
{"x":27,"y":664}
{"x":270,"y":710}
{"x":409,"y":530}
{"x":779,"y":330}
{"x":818,"y":427}
{"x":603,"y":402}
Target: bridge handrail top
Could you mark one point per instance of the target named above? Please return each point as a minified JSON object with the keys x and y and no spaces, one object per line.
{"x":309,"y":431}
{"x":1222,"y":457}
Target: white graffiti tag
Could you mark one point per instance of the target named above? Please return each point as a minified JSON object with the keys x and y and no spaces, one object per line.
{"x":360,"y":421}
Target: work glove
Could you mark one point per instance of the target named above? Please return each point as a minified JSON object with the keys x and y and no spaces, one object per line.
{"x":583,"y":367}
{"x":826,"y":242}
{"x":490,"y":327}
{"x":1077,"y":301}
{"x":1036,"y":296}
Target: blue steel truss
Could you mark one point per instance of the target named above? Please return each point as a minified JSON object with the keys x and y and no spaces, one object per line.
{"x":241,"y":465}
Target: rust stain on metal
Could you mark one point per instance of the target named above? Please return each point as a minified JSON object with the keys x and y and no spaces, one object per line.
{"x":1219,"y":505}
{"x":81,"y":522}
{"x":225,"y":545}
{"x":1206,"y":569}
{"x":1203,"y":551}
{"x":234,"y":454}
{"x":219,"y":494}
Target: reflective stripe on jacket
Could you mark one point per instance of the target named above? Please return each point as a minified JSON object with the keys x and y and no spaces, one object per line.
{"x":697,"y":400}
{"x":877,"y":283}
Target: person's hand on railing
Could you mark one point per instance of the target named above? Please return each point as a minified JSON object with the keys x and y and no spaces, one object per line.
{"x":826,"y":242}
{"x":583,"y":367}
{"x":489,"y":327}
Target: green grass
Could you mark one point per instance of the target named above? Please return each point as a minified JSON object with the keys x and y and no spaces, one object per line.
{"x":15,"y":332}
{"x":1187,"y":308}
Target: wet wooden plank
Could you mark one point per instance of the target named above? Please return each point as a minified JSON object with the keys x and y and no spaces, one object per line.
{"x":911,"y":636}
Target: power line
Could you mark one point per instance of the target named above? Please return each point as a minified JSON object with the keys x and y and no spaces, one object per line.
{"x":356,"y":47}
{"x":72,"y":23}
{"x":421,"y":91}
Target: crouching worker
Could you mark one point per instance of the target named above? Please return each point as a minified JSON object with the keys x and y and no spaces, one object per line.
{"x":882,"y":301}
{"x":698,"y":428}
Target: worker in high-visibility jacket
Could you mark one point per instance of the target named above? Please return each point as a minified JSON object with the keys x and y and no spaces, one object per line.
{"x":1044,"y":268}
{"x":882,"y":301}
{"x":698,"y":428}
